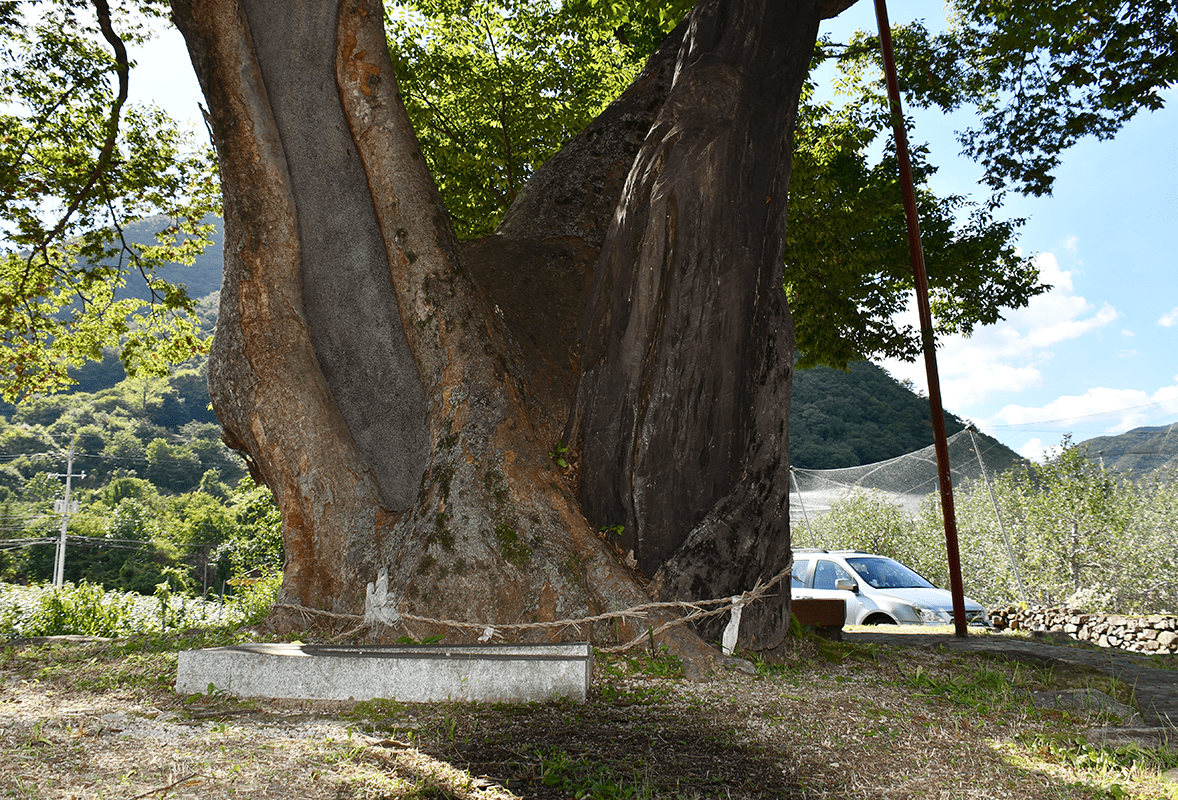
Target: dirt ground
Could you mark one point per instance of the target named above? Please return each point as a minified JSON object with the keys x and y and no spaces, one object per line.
{"x":102,"y":720}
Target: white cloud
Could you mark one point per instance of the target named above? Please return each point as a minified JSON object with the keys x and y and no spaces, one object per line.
{"x":1070,"y":244}
{"x":1008,"y":357}
{"x":1098,"y":411}
{"x":1052,"y":274}
{"x":1035,"y":450}
{"x":1169,"y":320}
{"x":1067,"y":320}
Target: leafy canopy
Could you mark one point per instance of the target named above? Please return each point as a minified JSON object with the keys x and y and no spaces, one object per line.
{"x":77,"y":162}
{"x":848,"y":272}
{"x":1041,"y":75}
{"x":495,"y":88}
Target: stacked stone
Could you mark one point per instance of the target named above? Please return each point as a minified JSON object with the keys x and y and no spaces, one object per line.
{"x":1153,"y":634}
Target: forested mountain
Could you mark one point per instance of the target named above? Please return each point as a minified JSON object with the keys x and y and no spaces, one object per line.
{"x":202,"y":278}
{"x":160,"y":496}
{"x":1136,"y":452}
{"x":858,"y":416}
{"x":158,"y":493}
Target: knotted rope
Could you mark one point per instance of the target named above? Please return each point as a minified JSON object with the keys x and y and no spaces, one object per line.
{"x":381,"y":611}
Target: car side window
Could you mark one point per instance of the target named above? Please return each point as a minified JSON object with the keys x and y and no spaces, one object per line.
{"x":826,"y":573}
{"x":797,"y":578}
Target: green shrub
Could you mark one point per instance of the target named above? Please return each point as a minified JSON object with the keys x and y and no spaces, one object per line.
{"x":84,"y":609}
{"x":87,"y":609}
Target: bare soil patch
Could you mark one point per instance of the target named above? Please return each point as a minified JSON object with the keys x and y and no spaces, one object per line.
{"x":102,"y":720}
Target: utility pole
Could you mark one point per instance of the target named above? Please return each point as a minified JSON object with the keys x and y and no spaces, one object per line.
{"x":65,"y":508}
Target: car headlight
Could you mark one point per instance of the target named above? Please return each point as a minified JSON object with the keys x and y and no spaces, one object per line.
{"x":934,"y":616}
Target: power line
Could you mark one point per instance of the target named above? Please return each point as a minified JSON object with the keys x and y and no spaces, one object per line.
{"x":15,"y":544}
{"x":111,"y":546}
{"x":46,"y":455}
{"x":1109,"y":413}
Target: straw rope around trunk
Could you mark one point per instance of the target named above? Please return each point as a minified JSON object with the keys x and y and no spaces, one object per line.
{"x":696,"y":610}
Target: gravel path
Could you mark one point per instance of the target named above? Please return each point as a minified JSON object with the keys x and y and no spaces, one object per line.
{"x":1154,"y":678}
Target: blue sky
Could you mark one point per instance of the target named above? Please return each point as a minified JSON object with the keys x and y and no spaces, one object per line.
{"x":1096,"y":355}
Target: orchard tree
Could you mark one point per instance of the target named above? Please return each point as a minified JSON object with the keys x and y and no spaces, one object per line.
{"x":1071,"y":517}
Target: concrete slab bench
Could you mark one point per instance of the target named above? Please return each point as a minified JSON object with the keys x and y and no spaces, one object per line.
{"x":410,"y":673}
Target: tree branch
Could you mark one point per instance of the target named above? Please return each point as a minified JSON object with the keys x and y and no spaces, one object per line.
{"x":123,"y":68}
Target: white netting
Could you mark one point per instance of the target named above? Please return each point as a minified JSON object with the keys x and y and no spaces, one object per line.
{"x":907,"y":480}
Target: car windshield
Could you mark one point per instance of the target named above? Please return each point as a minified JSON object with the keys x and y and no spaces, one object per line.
{"x":883,"y":573}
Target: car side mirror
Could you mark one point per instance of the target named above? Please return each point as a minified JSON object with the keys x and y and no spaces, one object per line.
{"x":846,"y":585}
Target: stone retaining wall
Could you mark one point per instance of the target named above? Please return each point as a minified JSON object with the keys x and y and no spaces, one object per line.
{"x":1153,"y":634}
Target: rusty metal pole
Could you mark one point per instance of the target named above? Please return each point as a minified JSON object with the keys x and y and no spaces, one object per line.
{"x":960,"y":623}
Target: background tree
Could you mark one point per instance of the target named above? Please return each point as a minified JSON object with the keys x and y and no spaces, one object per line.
{"x":848,"y":269}
{"x":494,"y":89}
{"x":1041,"y":75}
{"x":77,"y":163}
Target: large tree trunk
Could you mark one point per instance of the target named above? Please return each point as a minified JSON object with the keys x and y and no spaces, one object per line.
{"x":366,"y":383}
{"x":402,"y":407}
{"x":682,"y":408}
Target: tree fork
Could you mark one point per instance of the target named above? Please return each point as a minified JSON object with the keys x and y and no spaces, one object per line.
{"x":489,"y":531}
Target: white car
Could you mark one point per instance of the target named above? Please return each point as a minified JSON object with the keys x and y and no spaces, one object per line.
{"x":877,"y":590}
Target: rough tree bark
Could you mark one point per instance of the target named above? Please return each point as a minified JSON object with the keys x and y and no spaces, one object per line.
{"x":682,"y":408}
{"x":402,"y":407}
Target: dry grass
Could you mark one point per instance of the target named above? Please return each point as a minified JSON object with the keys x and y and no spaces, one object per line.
{"x":101,"y":720}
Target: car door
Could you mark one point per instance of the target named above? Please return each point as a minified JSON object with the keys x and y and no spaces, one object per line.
{"x":801,"y":580}
{"x":802,"y":584}
{"x":826,"y":574}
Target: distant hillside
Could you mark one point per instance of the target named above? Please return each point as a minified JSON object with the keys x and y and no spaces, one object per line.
{"x":202,"y":278}
{"x":863,"y":415}
{"x":1139,"y":451}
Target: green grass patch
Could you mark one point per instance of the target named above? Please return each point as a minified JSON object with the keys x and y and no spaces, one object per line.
{"x":583,"y":777}
{"x":660,"y":664}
